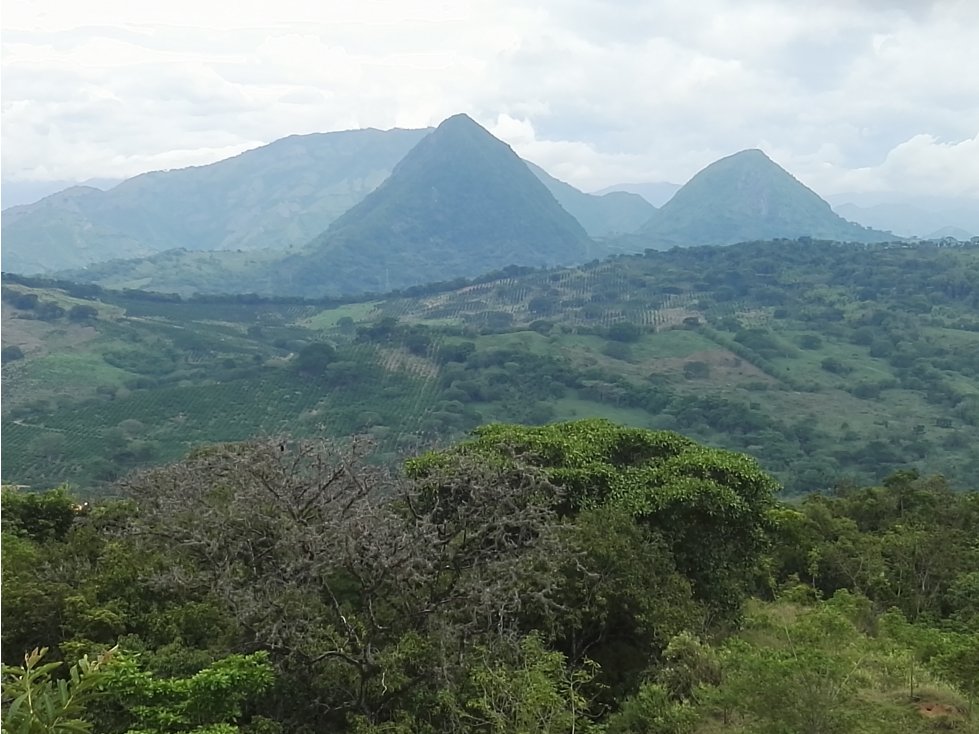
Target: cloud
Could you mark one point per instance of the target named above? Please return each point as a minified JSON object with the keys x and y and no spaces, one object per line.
{"x":921,"y":165}
{"x":844,"y":93}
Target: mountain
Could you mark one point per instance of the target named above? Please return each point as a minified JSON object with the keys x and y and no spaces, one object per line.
{"x":283,"y":193}
{"x":59,"y":231}
{"x":918,"y":217}
{"x":20,"y":193}
{"x":601,"y":215}
{"x":744,"y":197}
{"x":657,"y":193}
{"x":953,"y":232}
{"x":461,"y":203}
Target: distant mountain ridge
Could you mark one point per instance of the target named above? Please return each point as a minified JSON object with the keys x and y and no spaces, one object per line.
{"x":656,"y":193}
{"x":457,"y":203}
{"x":283,"y":193}
{"x":915,"y":217}
{"x":747,"y":196}
{"x":602,"y":215}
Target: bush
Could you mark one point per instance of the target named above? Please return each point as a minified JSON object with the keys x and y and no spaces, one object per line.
{"x":696,"y":370}
{"x":11,"y":354}
{"x":624,"y":331}
{"x":83,"y":313}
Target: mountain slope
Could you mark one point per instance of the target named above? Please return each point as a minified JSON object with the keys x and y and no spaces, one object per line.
{"x":744,"y":197}
{"x":58,"y":229}
{"x":283,"y":193}
{"x":601,"y":215}
{"x":459,"y":204}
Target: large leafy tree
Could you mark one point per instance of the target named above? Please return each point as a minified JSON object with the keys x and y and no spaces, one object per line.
{"x":712,"y":508}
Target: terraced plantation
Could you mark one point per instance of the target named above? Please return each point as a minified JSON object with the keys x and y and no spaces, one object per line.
{"x":841,"y":362}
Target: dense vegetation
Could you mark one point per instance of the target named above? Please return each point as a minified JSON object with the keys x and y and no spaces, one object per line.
{"x":829,"y":363}
{"x":579,"y":577}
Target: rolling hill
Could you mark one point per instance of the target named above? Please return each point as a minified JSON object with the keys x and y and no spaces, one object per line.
{"x":828,"y":362}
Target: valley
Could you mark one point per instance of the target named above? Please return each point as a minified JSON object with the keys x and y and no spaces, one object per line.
{"x":831,"y":363}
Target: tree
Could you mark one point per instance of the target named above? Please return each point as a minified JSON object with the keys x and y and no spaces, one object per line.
{"x":533,"y":692}
{"x":40,"y":516}
{"x":696,"y":370}
{"x":210,"y":701}
{"x":366,"y":588}
{"x":800,"y":679}
{"x":11,"y":354}
{"x":711,"y":507}
{"x":49,"y":311}
{"x":313,"y":359}
{"x":83,"y":313}
{"x":624,"y":331}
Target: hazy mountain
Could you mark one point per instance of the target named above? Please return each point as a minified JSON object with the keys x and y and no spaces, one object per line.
{"x":747,"y":196}
{"x":283,"y":193}
{"x":657,"y":193}
{"x":919,"y":217}
{"x":954,"y":232}
{"x":601,"y":215}
{"x":459,"y":204}
{"x":20,"y":193}
{"x":58,"y":231}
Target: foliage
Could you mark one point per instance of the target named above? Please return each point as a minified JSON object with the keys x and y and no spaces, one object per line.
{"x":218,"y":368}
{"x":40,"y":516}
{"x":208,"y":702}
{"x":529,"y":579}
{"x":37,"y":703}
{"x":710,"y":506}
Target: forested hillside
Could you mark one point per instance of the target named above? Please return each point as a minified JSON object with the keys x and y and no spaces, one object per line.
{"x":829,"y":363}
{"x":580,"y":577}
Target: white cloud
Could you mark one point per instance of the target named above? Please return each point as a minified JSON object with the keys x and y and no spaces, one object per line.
{"x":921,"y":165}
{"x":847,"y":94}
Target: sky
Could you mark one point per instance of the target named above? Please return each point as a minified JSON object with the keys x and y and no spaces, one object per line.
{"x":863,"y":96}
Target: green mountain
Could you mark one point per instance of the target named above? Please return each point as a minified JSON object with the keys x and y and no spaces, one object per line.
{"x":459,"y":204}
{"x":603,"y":215}
{"x":58,"y":231}
{"x":746,"y":197}
{"x":283,"y":193}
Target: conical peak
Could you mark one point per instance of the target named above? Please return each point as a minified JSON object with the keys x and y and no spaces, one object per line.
{"x":460,"y":119}
{"x":461,"y":124}
{"x":751,"y":156}
{"x":751,"y":153}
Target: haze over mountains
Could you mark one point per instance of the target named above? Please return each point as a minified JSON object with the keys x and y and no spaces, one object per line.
{"x":370,"y":210}
{"x":926,"y":217}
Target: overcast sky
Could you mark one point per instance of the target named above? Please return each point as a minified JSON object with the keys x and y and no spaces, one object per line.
{"x":849,"y":95}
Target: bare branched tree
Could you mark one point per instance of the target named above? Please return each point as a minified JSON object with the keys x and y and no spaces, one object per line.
{"x":369,"y":582}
